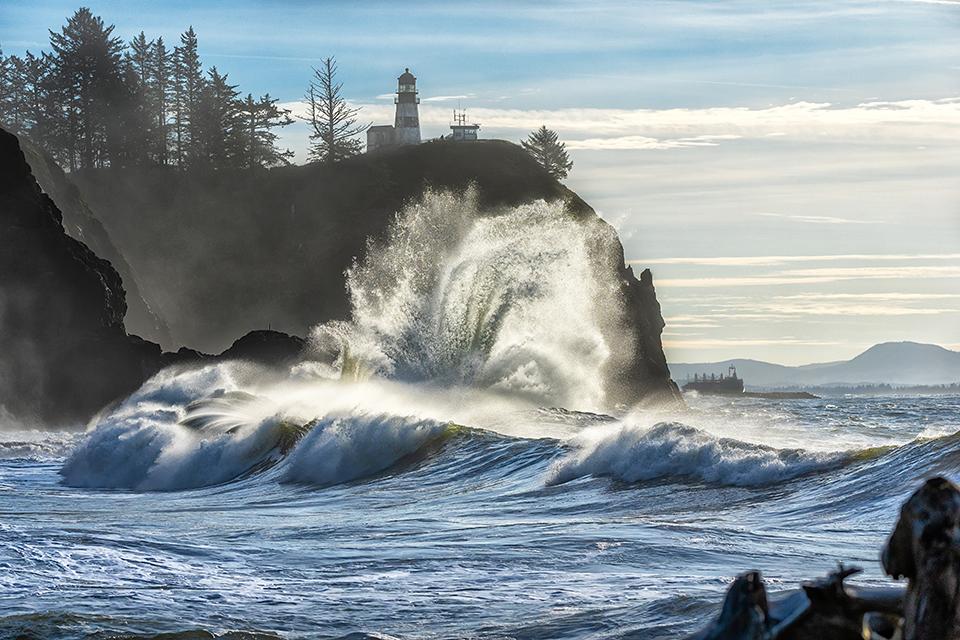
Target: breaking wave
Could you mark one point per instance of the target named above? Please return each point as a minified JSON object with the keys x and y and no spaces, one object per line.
{"x":631,"y":454}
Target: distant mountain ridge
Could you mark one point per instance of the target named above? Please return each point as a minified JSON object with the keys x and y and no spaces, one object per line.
{"x":895,"y":363}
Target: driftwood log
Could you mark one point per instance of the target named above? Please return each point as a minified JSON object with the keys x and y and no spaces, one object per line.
{"x":924,"y":548}
{"x":825,"y":609}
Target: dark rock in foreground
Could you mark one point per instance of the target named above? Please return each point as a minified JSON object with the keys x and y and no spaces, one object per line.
{"x":64,"y":351}
{"x":923,"y":548}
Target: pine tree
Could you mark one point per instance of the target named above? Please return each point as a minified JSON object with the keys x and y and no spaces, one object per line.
{"x":160,"y":90}
{"x":14,"y":114}
{"x":89,"y":73}
{"x":6,"y":88}
{"x":36,"y":105}
{"x":257,"y":119}
{"x":544,"y":145}
{"x":332,"y":120}
{"x":139,"y":133}
{"x":188,"y":93}
{"x":215,"y":131}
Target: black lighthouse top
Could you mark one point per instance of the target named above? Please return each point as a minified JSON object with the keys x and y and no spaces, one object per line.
{"x":407,"y":82}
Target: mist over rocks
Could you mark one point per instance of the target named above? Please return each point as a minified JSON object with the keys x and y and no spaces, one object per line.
{"x":223,"y":254}
{"x":229,"y":251}
{"x":81,"y":223}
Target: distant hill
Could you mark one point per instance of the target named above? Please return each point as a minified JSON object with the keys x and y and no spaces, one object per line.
{"x":896,"y":363}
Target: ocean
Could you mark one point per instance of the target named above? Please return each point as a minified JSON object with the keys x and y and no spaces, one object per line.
{"x":530,"y":523}
{"x":444,"y":465}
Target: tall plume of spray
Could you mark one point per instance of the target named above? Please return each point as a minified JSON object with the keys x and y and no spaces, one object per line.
{"x":459,"y":315}
{"x":514,"y":301}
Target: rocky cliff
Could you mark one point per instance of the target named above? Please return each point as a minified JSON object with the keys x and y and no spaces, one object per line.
{"x":65,"y":351}
{"x":81,"y":223}
{"x":227,"y":252}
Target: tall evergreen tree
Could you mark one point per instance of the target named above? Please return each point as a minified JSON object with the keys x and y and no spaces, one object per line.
{"x":88,"y":68}
{"x":14,"y":115}
{"x":6,"y":88}
{"x":332,"y":120}
{"x":138,"y":56}
{"x":160,"y":86}
{"x":215,"y":134}
{"x":188,"y":94}
{"x":257,"y":119}
{"x":544,"y":145}
{"x":37,"y":108}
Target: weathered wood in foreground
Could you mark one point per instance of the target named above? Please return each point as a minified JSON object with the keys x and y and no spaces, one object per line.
{"x":826,"y":609}
{"x":925,"y":548}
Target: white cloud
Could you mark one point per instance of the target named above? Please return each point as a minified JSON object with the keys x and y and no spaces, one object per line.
{"x":819,"y":219}
{"x":917,"y":121}
{"x":447,"y":98}
{"x":746,"y":261}
{"x":721,"y":343}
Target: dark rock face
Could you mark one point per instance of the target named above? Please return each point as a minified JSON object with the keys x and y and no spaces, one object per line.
{"x":80,"y":223}
{"x":65,"y":351}
{"x":645,"y":375}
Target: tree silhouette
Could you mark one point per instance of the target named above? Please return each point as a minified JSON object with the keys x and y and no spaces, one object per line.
{"x":94,"y":102}
{"x":88,"y":72}
{"x":332,"y":120}
{"x":257,"y":119}
{"x":188,"y":80}
{"x":544,"y":145}
{"x":159,"y":98}
{"x":214,"y":128}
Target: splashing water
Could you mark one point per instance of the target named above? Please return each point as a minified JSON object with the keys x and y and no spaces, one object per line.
{"x":513,"y":302}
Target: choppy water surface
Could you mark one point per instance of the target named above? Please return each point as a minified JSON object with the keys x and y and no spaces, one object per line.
{"x":415,"y":478}
{"x":573,"y":525}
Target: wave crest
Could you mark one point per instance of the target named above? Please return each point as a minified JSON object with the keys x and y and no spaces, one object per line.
{"x":344,"y":448}
{"x":631,"y":453}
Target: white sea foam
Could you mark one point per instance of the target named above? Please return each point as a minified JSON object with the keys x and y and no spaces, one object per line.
{"x":211,"y":425}
{"x":632,"y":453}
{"x":143,"y":443}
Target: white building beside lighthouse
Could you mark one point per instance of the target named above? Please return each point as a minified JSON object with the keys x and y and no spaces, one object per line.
{"x":406,"y":124}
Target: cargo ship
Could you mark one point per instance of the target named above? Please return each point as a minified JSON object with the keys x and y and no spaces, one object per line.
{"x":732,"y":385}
{"x":715,"y":384}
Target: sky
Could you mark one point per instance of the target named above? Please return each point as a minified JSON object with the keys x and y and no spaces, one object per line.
{"x":789,"y":171}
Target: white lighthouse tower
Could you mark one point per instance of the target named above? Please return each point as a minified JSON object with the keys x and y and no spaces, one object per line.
{"x":407,"y":123}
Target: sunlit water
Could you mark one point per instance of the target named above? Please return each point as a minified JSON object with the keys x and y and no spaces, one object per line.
{"x":472,"y":533}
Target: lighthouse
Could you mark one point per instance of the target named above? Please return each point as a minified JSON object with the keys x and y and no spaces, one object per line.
{"x":407,"y":123}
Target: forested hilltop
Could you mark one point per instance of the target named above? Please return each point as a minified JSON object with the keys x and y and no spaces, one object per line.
{"x":94,"y":101}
